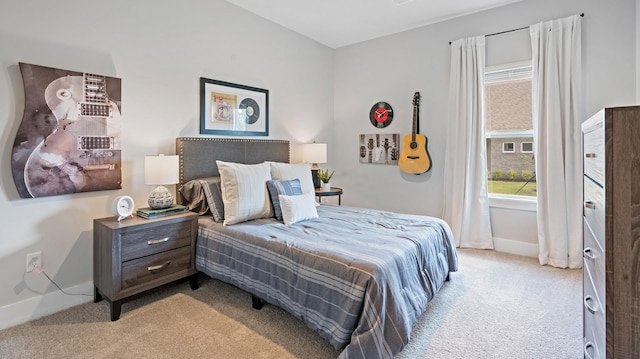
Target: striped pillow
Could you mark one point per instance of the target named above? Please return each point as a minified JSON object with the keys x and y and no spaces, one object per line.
{"x":284,"y":187}
{"x":212,"y":188}
{"x":243,"y":192}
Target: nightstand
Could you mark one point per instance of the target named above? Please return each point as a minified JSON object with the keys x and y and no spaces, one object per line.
{"x":335,"y":191}
{"x":136,"y":254}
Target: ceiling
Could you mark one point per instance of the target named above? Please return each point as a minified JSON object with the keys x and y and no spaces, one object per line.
{"x":338,"y":23}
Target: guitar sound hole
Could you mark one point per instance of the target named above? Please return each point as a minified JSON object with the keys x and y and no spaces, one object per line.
{"x":413,"y":145}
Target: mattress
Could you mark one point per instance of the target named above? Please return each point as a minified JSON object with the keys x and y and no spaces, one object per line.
{"x":358,"y":277}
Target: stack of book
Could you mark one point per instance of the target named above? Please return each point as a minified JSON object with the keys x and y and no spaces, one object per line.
{"x":150,"y":213}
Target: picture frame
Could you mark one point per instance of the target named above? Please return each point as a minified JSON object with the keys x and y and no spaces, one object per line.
{"x":232,"y":109}
{"x":379,"y":148}
{"x":69,"y":139}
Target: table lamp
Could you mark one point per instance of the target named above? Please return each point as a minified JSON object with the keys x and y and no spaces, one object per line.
{"x":159,"y":171}
{"x":314,"y":153}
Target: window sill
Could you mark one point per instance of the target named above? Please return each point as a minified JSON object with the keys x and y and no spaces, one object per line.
{"x":520,"y":203}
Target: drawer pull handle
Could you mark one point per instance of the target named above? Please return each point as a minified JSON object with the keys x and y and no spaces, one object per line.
{"x":589,"y":205}
{"x":587,"y":347}
{"x":590,"y":155}
{"x":157,"y":241}
{"x":158,"y":267}
{"x":591,"y":309}
{"x":589,"y":254}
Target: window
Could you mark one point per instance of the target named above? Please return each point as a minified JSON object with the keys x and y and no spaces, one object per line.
{"x":508,"y":147}
{"x":509,"y":130}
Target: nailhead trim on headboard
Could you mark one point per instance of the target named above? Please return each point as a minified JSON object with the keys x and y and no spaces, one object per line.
{"x":198,"y":154}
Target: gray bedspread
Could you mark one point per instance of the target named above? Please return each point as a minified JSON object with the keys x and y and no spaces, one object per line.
{"x":359,"y":277}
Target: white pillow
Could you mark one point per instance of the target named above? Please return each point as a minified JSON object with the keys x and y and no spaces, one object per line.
{"x":289,"y":171}
{"x":244,"y":191}
{"x":298,"y":208}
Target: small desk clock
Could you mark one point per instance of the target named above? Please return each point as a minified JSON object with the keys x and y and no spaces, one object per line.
{"x":122,"y":207}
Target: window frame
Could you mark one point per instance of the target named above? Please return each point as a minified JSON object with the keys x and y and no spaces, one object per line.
{"x":513,"y":147}
{"x":500,"y":73}
{"x":522,"y":150}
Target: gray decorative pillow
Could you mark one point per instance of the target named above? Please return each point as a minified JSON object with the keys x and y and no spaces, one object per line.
{"x":282,"y":187}
{"x":212,"y":189}
{"x":193,"y":197}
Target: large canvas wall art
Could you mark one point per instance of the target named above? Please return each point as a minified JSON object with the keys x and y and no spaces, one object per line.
{"x":69,"y":137}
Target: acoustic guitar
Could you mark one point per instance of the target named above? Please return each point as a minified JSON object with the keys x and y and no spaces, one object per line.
{"x":414,"y":157}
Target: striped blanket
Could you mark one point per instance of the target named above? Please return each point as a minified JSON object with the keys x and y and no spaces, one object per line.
{"x":359,"y":277}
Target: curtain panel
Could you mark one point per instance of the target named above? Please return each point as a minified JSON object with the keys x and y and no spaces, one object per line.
{"x":557,"y":115}
{"x":466,"y":202}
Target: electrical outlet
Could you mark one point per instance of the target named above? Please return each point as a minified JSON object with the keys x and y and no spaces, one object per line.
{"x":34,"y":260}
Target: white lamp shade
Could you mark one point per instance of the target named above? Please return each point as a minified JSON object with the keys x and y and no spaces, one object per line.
{"x":314,"y":152}
{"x":161,"y":170}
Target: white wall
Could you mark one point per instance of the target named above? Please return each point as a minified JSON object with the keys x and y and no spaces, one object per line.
{"x":394,"y":67}
{"x":159,"y":51}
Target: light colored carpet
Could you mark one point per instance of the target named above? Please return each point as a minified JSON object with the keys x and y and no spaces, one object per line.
{"x":496,"y":306}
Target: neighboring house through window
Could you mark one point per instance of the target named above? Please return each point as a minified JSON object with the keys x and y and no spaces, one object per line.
{"x":509,"y":130}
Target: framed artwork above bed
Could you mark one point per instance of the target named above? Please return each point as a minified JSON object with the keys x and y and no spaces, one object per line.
{"x":232,"y":109}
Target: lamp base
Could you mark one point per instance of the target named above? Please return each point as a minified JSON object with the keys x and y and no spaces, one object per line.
{"x":160,"y":198}
{"x":314,"y":177}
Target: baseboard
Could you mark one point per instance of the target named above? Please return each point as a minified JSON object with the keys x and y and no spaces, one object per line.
{"x":39,"y":306}
{"x":515,"y":247}
{"x":49,"y":303}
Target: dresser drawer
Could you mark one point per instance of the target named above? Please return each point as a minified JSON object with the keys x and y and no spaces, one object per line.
{"x":591,"y":350}
{"x":151,"y":240}
{"x":148,"y":269}
{"x":594,"y":201}
{"x":594,"y":316}
{"x":594,"y":259}
{"x":594,"y":154}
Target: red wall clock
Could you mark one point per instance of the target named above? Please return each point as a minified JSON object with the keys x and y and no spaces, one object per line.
{"x":381,"y":114}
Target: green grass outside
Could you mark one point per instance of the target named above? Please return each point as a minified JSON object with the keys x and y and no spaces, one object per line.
{"x":512,"y":187}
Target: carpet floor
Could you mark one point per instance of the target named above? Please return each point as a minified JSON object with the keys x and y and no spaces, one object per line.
{"x":496,"y":306}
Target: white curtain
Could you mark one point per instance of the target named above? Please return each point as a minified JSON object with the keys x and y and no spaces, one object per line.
{"x":466,"y":202}
{"x":557,"y":115}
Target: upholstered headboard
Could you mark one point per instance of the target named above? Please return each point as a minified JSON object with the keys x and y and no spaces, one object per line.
{"x":198,"y":155}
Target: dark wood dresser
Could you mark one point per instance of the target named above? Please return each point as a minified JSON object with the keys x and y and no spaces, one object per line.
{"x":137,"y":254}
{"x":611,"y":272}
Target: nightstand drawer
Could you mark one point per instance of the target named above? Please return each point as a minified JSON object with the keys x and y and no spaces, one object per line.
{"x":151,"y":240}
{"x":147,"y":269}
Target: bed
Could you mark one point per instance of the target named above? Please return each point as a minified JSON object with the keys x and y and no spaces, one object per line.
{"x":359,"y":277}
